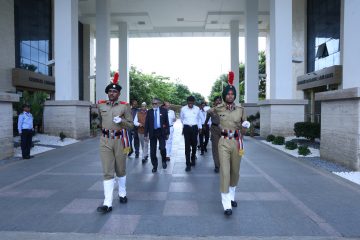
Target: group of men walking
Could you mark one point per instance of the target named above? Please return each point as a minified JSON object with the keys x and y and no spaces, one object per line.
{"x":122,"y":124}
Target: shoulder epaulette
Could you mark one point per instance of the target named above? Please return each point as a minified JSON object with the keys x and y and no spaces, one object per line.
{"x":121,"y":102}
{"x":101,"y":101}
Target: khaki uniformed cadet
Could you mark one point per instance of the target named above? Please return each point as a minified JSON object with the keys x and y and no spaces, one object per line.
{"x":215,"y":132}
{"x":116,"y":120}
{"x":232,"y":124}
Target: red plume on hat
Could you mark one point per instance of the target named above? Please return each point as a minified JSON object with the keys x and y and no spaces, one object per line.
{"x":116,"y":78}
{"x":231,"y":78}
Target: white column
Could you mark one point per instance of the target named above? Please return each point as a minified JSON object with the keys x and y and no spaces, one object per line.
{"x":102,"y":47}
{"x":234,"y":50}
{"x":251,"y":52}
{"x":66,"y":50}
{"x":281,"y":49}
{"x":351,"y":47}
{"x":86,"y":64}
{"x":124,"y":61}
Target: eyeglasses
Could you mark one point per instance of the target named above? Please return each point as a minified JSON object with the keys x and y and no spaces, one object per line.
{"x":154,"y":103}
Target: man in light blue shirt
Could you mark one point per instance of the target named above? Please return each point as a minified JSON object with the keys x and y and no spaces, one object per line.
{"x":25,"y":128}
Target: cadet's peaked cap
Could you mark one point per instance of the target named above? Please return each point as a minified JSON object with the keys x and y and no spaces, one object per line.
{"x":230,"y":86}
{"x":114,"y":84}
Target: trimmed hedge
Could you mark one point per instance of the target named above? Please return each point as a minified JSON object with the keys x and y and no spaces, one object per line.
{"x":304,"y":150}
{"x":291,"y":145}
{"x":279,"y":140}
{"x":270,"y":138}
{"x":307,"y":129}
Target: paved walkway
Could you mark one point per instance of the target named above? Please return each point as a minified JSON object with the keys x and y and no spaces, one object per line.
{"x":55,"y":195}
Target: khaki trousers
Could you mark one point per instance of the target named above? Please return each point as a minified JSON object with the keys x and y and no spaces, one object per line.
{"x":113,"y":158}
{"x":229,"y":164}
{"x":215,"y":136}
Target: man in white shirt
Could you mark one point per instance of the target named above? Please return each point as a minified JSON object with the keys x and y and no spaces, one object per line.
{"x":192,"y":123}
{"x":172,"y":119}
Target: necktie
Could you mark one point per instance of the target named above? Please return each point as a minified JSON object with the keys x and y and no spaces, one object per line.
{"x":155,"y":120}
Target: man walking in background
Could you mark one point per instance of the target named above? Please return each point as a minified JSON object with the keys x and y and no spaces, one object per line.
{"x":215,"y":132}
{"x":172,"y":119}
{"x":191,"y":119}
{"x":134,"y":138}
{"x":157,"y":129}
{"x":139,"y":122}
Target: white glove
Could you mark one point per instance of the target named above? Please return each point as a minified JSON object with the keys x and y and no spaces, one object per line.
{"x":246,"y":124}
{"x":117,"y":119}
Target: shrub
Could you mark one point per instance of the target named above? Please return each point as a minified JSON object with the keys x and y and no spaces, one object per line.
{"x":307,"y":129}
{"x":304,"y":150}
{"x":279,"y":140}
{"x":290,"y":145}
{"x":270,"y":138}
{"x":62,"y":136}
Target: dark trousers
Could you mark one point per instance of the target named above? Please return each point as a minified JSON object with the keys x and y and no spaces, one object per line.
{"x":204,"y":135}
{"x":153,"y":143}
{"x":190,"y":137}
{"x":134,"y":137}
{"x":26,"y":140}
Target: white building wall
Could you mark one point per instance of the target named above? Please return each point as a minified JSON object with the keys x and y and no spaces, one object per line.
{"x":7,"y":41}
{"x":299,"y":44}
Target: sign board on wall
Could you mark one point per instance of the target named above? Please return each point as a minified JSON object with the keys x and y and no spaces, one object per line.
{"x":323,"y":77}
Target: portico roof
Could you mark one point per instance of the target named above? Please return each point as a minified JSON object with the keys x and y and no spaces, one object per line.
{"x":175,"y":18}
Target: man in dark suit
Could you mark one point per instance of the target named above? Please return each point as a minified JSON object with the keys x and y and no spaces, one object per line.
{"x":157,"y":129}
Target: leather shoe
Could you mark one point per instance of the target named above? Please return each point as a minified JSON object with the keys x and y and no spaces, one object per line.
{"x":123,"y":199}
{"x":154,"y":170}
{"x":144,"y":160}
{"x":202,"y":153}
{"x":188,"y":169}
{"x":228,"y":212}
{"x":216,"y":169}
{"x":136,"y":155}
{"x":131,"y":152}
{"x":233,"y":203}
{"x":168,"y":159}
{"x":164,"y":165}
{"x":104,"y":209}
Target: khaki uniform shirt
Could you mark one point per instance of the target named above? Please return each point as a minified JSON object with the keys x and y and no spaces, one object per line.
{"x":108,"y":111}
{"x":230,"y":119}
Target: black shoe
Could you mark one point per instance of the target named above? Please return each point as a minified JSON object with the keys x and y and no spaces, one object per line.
{"x":164,"y":165}
{"x":131,"y":152}
{"x":168,"y":159}
{"x":137,"y":155}
{"x":216,"y":169}
{"x":202,"y":153}
{"x":188,"y":169}
{"x":233,"y":203}
{"x":144,"y":160}
{"x":154,"y":170}
{"x":228,"y":212}
{"x":123,"y":199}
{"x":104,"y":209}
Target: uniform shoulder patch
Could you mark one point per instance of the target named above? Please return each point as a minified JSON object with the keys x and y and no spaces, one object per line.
{"x":101,"y":101}
{"x":121,"y":102}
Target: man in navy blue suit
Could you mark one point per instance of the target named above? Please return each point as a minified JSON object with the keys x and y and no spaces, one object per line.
{"x":157,"y":129}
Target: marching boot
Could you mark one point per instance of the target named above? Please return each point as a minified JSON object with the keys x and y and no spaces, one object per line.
{"x":108,"y":193}
{"x":232,"y":191}
{"x":226,"y":202}
{"x":122,"y":189}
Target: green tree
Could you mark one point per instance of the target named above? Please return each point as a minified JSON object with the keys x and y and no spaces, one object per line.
{"x":222,"y":81}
